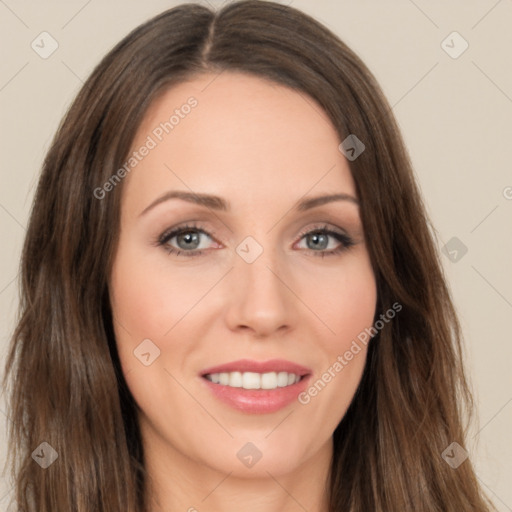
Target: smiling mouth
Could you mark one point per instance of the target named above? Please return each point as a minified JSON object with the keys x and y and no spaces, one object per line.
{"x":254,"y":380}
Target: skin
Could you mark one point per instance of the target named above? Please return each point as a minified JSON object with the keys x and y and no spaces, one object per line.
{"x":262,"y":147}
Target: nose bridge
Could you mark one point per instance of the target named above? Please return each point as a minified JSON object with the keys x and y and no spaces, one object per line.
{"x":257,"y":266}
{"x":260,"y":300}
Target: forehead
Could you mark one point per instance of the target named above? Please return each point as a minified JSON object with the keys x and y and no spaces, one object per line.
{"x":237,"y":135}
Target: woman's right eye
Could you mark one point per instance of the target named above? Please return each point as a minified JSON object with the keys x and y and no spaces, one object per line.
{"x":188,"y":241}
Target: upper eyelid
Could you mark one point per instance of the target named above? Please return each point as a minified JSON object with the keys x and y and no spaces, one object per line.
{"x":179,"y":229}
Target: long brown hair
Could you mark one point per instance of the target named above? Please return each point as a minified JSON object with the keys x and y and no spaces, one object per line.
{"x":67,"y":386}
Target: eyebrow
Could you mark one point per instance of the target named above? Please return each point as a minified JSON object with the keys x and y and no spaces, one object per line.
{"x":218,"y":203}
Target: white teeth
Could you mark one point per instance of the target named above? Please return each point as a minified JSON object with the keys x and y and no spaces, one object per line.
{"x":269,"y":380}
{"x":282,"y":379}
{"x":223,"y":378}
{"x":235,"y":379}
{"x":253,"y":380}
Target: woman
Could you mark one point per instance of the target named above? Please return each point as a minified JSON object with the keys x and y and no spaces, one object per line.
{"x":242,"y":371}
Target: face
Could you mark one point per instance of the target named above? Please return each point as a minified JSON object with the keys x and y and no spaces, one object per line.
{"x":218,"y":300}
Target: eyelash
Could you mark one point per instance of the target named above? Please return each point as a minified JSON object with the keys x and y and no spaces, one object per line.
{"x":164,"y":238}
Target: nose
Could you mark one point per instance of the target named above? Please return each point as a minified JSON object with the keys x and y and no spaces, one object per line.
{"x":260,"y":294}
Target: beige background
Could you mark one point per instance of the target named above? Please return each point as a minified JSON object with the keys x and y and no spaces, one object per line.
{"x":455,"y":114}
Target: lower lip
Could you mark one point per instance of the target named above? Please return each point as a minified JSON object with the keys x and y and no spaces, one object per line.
{"x":257,"y":401}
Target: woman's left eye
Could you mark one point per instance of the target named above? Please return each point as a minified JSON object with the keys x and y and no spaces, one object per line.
{"x":188,"y":241}
{"x":320,"y":238}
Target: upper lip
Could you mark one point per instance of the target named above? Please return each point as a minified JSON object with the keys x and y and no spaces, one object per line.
{"x":248,"y":365}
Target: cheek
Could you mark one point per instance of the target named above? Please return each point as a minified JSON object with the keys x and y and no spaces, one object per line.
{"x":346,"y":304}
{"x":137,"y":306}
{"x":350,"y":314}
{"x":152,"y":300}
{"x":344,"y":300}
{"x":354,"y":310}
{"x":147,"y":299}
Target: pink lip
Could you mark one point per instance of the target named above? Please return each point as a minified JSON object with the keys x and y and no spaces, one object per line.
{"x":258,"y":401}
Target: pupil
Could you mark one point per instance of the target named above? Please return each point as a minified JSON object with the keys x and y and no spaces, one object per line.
{"x":316,"y":237}
{"x":190,"y":237}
